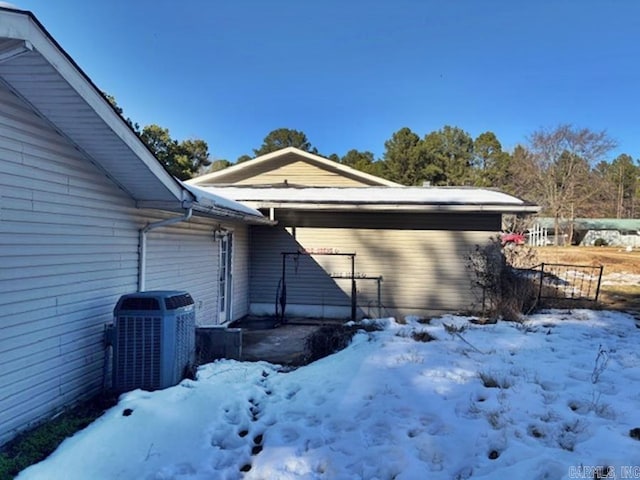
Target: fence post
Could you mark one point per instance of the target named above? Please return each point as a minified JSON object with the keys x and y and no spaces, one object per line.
{"x":541,"y":280}
{"x":599,"y":281}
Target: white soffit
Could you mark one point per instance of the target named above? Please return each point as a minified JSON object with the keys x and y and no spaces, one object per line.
{"x":35,"y":68}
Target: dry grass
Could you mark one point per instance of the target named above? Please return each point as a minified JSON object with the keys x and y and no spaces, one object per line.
{"x":614,"y":260}
{"x":621,"y":297}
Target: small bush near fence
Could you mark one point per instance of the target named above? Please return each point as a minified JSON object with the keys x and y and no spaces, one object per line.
{"x":510,"y":282}
{"x":503,"y":292}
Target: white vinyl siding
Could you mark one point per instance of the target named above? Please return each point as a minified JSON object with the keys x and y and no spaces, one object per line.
{"x":68,"y":250}
{"x":185,"y":257}
{"x":422,"y":271}
{"x":295,"y":170}
{"x":302,"y":173}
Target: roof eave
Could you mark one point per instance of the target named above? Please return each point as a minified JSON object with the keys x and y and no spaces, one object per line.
{"x":23,"y":25}
{"x":395,"y":207}
{"x":153,"y":187}
{"x":208,"y":209}
{"x":225,"y":214}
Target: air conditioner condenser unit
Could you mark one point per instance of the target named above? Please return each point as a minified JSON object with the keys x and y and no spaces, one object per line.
{"x":153,"y":339}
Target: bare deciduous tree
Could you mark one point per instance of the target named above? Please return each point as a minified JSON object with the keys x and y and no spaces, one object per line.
{"x":563,"y":158}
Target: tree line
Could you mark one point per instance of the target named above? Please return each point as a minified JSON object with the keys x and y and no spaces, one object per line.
{"x":565,"y":169}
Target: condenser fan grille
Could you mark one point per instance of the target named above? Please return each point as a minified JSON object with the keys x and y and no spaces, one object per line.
{"x":138,"y":361}
{"x":153,"y":348}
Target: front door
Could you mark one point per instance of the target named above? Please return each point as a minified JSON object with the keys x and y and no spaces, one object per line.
{"x":226,"y":243}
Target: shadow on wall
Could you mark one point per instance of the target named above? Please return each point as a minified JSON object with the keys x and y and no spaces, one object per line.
{"x":422,"y":272}
{"x":309,"y":287}
{"x":425,"y":271}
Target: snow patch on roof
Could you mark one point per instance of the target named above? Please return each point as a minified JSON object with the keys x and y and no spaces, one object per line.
{"x":207,"y":197}
{"x":371,"y":195}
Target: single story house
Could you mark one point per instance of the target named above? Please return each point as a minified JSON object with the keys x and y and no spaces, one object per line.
{"x":349,"y":244}
{"x":87,"y":214}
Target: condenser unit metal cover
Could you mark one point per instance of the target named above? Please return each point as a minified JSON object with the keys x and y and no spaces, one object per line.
{"x":154,"y":341}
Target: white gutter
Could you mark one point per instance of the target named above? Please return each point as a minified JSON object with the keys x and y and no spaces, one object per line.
{"x":225,"y":213}
{"x":142,"y":255}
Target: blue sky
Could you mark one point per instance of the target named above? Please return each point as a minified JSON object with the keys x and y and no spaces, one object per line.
{"x":351,"y":73}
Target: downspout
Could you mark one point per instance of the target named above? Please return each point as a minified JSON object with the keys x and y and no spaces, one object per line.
{"x":142,"y":256}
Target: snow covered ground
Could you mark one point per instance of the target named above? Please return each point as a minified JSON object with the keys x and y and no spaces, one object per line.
{"x":550,"y":399}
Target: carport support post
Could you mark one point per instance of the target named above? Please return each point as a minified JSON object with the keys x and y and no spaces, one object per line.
{"x":353,"y":288}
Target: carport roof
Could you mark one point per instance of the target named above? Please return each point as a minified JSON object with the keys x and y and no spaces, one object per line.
{"x":444,"y":199}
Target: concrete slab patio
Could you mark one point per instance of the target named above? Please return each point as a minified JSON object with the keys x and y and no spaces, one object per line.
{"x":295,"y":342}
{"x":286,"y":344}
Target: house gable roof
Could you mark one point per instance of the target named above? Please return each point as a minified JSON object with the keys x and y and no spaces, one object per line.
{"x":369,"y":193}
{"x":35,"y":68}
{"x":281,"y":161}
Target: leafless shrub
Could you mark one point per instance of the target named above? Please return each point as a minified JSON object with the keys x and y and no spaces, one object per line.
{"x":452,"y":329}
{"x":505,"y":292}
{"x":327,"y":340}
{"x":602,"y":359}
